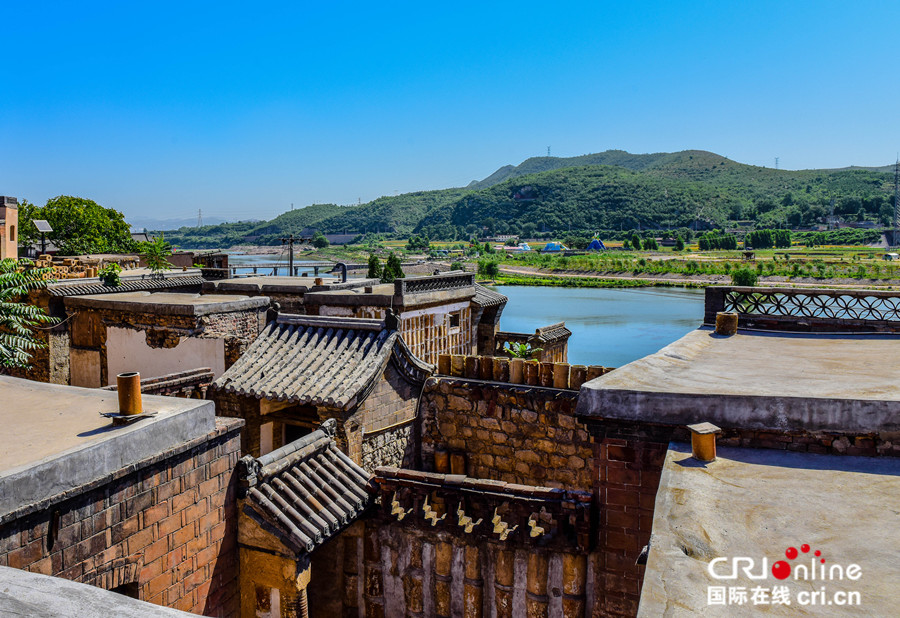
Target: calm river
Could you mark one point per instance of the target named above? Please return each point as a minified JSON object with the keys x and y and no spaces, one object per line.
{"x":610,"y":326}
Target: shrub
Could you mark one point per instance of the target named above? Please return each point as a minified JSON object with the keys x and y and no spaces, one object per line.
{"x":744,"y":277}
{"x":375,"y":270}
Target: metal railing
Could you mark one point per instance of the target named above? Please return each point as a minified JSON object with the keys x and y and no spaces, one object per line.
{"x":807,"y":309}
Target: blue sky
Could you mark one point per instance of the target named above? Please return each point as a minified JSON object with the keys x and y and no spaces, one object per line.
{"x":158,"y":109}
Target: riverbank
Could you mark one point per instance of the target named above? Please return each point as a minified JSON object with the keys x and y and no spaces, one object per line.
{"x":523,"y":275}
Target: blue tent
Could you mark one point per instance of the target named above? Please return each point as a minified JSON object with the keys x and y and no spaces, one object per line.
{"x":596,"y":245}
{"x":553,"y":247}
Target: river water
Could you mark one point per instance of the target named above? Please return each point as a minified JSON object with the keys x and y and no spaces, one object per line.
{"x":610,"y":326}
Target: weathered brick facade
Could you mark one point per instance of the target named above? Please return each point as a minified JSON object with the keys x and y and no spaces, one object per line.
{"x":163,"y":528}
{"x":505,"y":432}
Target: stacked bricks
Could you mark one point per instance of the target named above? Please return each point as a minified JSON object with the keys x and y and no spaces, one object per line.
{"x":510,"y":433}
{"x":165,"y":526}
{"x":519,"y":371}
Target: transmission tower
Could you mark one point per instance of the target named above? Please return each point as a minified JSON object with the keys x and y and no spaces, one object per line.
{"x":548,"y":151}
{"x":776,"y":162}
{"x":897,"y":195}
{"x":199,"y":217}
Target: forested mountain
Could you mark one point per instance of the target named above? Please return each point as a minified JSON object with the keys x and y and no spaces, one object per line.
{"x":614,"y":190}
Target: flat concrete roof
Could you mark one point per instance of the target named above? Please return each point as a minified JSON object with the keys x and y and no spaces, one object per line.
{"x":757,"y":503}
{"x":168,"y":303}
{"x":759,"y":381}
{"x":57,"y":440}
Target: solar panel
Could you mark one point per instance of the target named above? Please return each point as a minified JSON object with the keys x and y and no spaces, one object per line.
{"x":42,"y":225}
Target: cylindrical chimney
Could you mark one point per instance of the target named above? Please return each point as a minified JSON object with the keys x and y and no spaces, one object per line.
{"x":129,"y":387}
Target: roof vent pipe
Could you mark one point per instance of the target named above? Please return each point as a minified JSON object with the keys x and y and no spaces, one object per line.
{"x":129,"y":389}
{"x":703,"y":441}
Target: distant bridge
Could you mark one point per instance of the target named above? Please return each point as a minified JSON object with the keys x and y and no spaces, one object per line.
{"x":274,"y":268}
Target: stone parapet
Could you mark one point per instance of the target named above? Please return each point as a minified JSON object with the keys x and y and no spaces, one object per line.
{"x":519,"y":371}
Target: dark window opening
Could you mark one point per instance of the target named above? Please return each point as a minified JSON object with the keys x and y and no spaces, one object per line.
{"x":454,"y":320}
{"x":295,"y":432}
{"x":128,"y":590}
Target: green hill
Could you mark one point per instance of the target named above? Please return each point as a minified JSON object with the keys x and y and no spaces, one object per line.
{"x":613,"y":190}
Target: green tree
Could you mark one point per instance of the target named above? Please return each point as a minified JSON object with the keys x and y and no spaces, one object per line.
{"x":392,"y":269}
{"x":679,"y":244}
{"x":650,"y":244}
{"x":18,"y":319}
{"x":375,"y":270}
{"x":79,"y":226}
{"x":636,"y":241}
{"x":488,"y":268}
{"x":319,"y":241}
{"x":156,"y":254}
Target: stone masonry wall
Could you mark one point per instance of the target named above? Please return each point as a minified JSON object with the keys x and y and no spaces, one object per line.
{"x":382,"y":425}
{"x":167,"y":527}
{"x":517,"y":434}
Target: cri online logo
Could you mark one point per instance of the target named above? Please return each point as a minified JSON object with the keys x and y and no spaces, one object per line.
{"x":816,"y":570}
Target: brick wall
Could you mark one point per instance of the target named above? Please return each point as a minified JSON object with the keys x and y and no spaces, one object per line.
{"x":516,"y":434}
{"x":167,"y":525}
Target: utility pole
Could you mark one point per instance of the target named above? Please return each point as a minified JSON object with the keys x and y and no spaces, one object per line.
{"x":290,"y":243}
{"x":896,"y":196}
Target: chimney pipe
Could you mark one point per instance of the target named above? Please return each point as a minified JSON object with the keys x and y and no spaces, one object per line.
{"x":726,"y":323}
{"x":703,"y":441}
{"x":129,"y":388}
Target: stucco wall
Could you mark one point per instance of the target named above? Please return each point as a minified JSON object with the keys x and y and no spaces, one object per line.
{"x":127,"y":350}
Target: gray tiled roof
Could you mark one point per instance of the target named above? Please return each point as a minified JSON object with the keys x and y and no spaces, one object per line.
{"x":320,"y":360}
{"x":306,"y":491}
{"x":485,"y":297}
{"x":554,"y":332}
{"x":133,"y":285}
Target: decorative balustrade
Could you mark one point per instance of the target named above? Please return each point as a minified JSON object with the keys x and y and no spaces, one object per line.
{"x":519,"y":371}
{"x":816,"y":310}
{"x":434,"y":283}
{"x":521,"y":515}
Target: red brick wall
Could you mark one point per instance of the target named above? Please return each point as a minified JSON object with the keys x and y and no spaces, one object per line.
{"x":628,"y":472}
{"x":169,"y":527}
